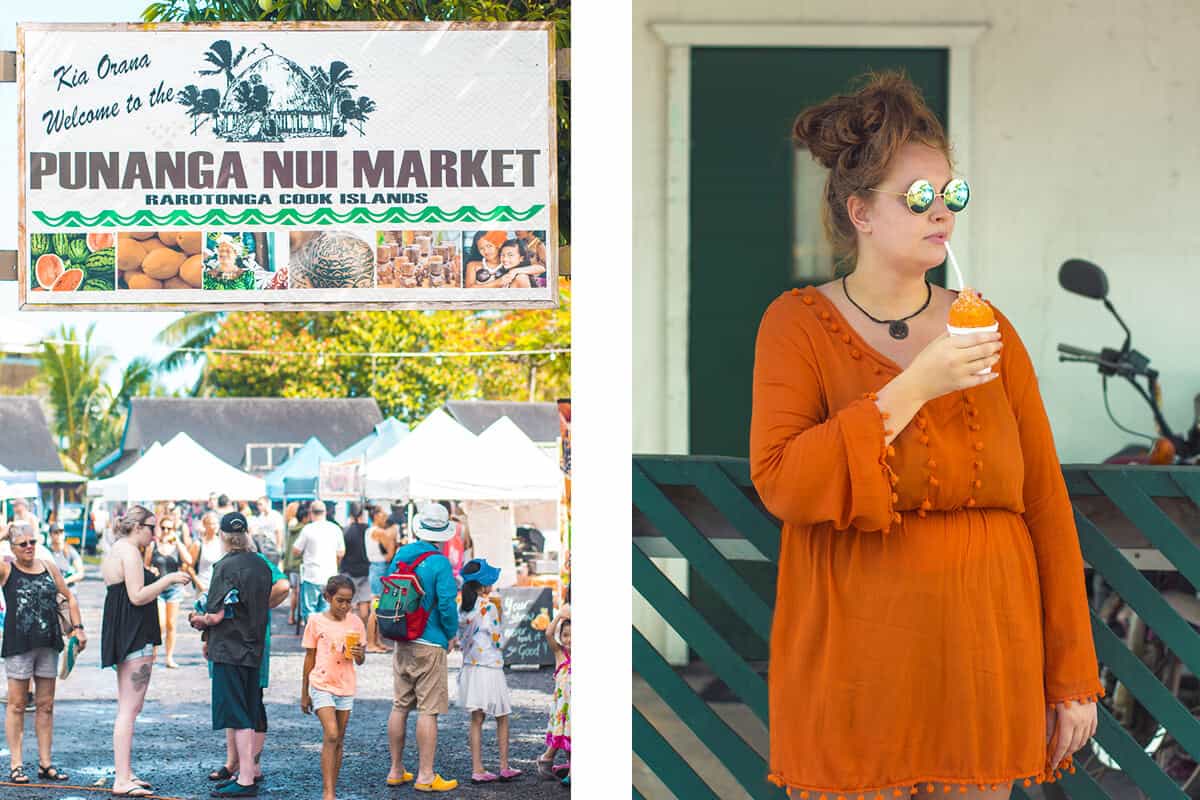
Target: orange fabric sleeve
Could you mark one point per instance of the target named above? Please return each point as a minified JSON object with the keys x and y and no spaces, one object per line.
{"x":1071,"y":671}
{"x":810,"y":466}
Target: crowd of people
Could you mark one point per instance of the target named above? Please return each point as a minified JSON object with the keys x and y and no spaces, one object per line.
{"x":240,"y":565}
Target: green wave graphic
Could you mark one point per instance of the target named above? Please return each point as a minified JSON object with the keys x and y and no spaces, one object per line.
{"x":285,"y":216}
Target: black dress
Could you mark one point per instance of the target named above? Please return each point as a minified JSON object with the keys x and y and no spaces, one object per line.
{"x":31,"y":619}
{"x":126,"y":628}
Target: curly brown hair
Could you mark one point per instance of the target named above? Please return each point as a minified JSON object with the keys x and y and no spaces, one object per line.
{"x":855,"y":136}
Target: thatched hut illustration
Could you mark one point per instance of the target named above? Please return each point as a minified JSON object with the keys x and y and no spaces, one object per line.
{"x":274,"y":99}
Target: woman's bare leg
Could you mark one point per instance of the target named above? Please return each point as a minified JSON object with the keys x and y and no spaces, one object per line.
{"x":133,"y":678}
{"x":14,"y":719}
{"x":171,"y":614}
{"x":43,"y":689}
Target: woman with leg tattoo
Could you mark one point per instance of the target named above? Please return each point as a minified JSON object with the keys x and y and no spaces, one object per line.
{"x":129,"y":633}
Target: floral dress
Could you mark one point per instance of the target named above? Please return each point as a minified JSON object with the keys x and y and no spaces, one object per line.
{"x":558,"y":731}
{"x":481,"y":683}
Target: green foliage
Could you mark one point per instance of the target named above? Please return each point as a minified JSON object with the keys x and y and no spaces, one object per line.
{"x":317,"y":355}
{"x":88,"y":415}
{"x":224,"y":60}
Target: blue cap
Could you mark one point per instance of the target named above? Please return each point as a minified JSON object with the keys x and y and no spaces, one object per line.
{"x":480,"y":571}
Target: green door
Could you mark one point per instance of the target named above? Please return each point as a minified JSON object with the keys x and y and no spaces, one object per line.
{"x":751,"y":236}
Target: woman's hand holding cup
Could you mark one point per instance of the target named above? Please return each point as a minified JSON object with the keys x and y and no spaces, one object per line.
{"x":951,"y":363}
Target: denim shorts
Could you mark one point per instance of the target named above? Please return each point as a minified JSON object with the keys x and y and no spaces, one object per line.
{"x":378,"y":570}
{"x":323,"y":699}
{"x":145,"y":652}
{"x":171,"y":594}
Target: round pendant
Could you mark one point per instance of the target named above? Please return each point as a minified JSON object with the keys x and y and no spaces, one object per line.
{"x":898,"y":329}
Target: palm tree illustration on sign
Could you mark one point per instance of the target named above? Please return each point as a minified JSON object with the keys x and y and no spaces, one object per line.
{"x":274,"y":98}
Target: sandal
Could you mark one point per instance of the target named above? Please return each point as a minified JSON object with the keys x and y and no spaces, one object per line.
{"x":222,"y":774}
{"x":136,"y":791}
{"x":17,"y":774}
{"x":51,"y":773}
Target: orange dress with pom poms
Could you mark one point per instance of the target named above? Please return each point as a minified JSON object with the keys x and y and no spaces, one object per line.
{"x":931,"y":602}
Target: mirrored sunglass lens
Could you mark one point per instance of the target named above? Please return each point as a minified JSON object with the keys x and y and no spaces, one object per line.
{"x":957,"y":194}
{"x":920,"y":196}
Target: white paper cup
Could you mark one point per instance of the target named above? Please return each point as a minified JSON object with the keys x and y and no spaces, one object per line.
{"x":953,"y":331}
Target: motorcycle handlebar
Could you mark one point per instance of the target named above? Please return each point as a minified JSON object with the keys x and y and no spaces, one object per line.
{"x":1071,"y":350}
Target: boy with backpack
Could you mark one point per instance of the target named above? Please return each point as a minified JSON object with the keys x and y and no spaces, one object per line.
{"x":418,"y":611}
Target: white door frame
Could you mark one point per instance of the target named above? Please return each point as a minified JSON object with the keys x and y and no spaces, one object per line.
{"x":680,"y":38}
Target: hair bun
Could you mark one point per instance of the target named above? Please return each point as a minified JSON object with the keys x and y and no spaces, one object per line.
{"x":842,"y":131}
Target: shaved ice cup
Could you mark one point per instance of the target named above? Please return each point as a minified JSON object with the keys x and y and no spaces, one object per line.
{"x":953,"y":331}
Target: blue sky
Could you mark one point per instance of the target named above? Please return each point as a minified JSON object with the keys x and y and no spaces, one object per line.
{"x":125,"y":334}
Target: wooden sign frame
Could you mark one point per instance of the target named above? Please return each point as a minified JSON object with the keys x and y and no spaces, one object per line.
{"x":362,"y":299}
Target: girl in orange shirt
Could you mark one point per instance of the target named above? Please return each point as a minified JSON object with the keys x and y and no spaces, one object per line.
{"x":933,"y":631}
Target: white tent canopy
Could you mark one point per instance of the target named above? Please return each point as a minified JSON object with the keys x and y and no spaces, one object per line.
{"x":441,"y":459}
{"x":430,"y":462}
{"x":511,"y":461}
{"x":179,"y":469}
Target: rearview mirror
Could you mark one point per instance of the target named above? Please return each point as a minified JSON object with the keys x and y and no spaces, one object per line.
{"x":1083,"y":278}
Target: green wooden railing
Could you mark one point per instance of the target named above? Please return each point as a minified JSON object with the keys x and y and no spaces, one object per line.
{"x":705,"y":510}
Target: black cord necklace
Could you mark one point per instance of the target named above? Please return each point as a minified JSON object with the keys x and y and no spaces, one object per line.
{"x":898,"y":328}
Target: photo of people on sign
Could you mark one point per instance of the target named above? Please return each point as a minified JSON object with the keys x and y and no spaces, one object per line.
{"x":159,"y":136}
{"x":498,"y":259}
{"x":419,"y":259}
{"x":234,"y":260}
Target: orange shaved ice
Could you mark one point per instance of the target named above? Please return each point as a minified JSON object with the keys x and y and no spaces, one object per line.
{"x":971,"y":311}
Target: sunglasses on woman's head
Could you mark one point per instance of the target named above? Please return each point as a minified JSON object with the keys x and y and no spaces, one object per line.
{"x":921,"y":194}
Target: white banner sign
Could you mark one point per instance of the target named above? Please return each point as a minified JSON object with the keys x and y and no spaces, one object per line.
{"x":307,"y":165}
{"x":340,"y":480}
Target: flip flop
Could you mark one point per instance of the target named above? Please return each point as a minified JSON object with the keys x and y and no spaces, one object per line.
{"x":137,"y":791}
{"x":408,"y":778}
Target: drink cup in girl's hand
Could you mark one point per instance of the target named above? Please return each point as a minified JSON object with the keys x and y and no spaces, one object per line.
{"x":971,"y":314}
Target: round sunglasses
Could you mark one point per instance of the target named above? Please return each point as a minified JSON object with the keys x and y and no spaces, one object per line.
{"x":921,"y":194}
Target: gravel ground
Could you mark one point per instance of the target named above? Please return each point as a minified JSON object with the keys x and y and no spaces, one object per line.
{"x":175,"y":746}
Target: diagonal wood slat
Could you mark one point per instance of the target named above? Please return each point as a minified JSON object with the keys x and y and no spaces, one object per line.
{"x":1150,"y":520}
{"x":670,"y":767}
{"x":689,"y":623}
{"x":701,"y":554}
{"x":724,"y":494}
{"x":1139,"y":593}
{"x":746,"y":765}
{"x":1157,"y":699}
{"x":1133,"y":759}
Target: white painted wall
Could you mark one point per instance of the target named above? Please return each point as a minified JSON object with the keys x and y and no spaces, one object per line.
{"x":1086,"y":144}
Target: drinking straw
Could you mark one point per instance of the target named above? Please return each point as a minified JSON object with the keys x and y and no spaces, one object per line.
{"x":954,"y":263}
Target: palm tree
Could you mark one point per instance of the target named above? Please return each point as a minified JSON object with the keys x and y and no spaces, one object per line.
{"x":73,"y":370}
{"x":357,"y":111}
{"x":199,"y":103}
{"x":191,"y":333}
{"x":220,"y":55}
{"x":335,"y":85}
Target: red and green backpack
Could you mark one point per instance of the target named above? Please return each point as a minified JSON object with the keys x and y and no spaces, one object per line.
{"x":401,"y":613}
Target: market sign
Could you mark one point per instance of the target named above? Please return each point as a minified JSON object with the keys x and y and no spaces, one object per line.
{"x":303,"y":165}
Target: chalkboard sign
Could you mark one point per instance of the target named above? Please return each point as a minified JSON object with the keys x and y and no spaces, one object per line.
{"x":521,"y":606}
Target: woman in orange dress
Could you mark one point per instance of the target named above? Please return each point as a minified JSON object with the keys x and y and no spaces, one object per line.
{"x":931,"y":628}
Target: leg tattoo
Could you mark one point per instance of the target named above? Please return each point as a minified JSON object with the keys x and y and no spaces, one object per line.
{"x":141,"y":678}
